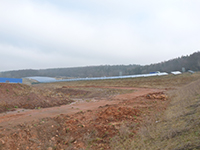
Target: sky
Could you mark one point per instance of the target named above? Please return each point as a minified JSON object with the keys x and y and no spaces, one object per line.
{"x":40,"y":34}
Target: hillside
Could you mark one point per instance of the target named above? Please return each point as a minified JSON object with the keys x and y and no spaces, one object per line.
{"x":191,"y":62}
{"x":160,"y":112}
{"x":82,"y":72}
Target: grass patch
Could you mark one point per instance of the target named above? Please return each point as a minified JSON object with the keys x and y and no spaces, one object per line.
{"x":151,"y":82}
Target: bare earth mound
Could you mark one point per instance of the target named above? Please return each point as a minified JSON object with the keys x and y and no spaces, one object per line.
{"x":23,"y":96}
{"x":87,"y":124}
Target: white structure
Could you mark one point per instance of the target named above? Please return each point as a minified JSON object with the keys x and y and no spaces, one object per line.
{"x":49,"y":79}
{"x":190,"y":71}
{"x":176,"y":72}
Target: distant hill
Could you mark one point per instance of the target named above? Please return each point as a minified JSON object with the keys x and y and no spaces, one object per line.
{"x":191,"y":62}
{"x":77,"y":72}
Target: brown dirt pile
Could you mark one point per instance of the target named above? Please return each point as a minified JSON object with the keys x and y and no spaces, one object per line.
{"x":92,"y":129}
{"x":83,"y":129}
{"x":117,"y":113}
{"x":72,"y":92}
{"x":157,"y":95}
{"x":23,"y":96}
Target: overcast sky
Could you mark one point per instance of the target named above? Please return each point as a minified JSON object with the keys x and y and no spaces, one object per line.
{"x":38,"y":34}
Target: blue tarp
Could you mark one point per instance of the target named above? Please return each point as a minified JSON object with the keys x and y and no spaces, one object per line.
{"x":10,"y":80}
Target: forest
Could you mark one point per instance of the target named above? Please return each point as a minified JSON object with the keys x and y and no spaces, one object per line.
{"x":190,"y":62}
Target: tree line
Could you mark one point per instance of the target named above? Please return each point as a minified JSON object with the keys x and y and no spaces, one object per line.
{"x":191,"y":62}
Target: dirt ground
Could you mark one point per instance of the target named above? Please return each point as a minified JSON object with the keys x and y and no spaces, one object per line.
{"x":35,"y":97}
{"x":72,"y":117}
{"x":23,"y":96}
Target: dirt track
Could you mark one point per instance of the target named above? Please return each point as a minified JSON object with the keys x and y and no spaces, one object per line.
{"x":23,"y":115}
{"x":81,"y":115}
{"x":97,"y":115}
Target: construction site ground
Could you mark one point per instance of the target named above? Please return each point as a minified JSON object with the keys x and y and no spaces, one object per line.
{"x":74,"y":116}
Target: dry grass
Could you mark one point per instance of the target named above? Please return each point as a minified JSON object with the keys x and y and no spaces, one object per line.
{"x":150,"y":82}
{"x":122,"y":141}
{"x":178,"y":128}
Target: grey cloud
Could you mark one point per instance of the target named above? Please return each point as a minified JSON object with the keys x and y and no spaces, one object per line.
{"x":142,"y":32}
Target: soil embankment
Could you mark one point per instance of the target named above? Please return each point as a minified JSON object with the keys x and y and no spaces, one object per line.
{"x":95,"y":117}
